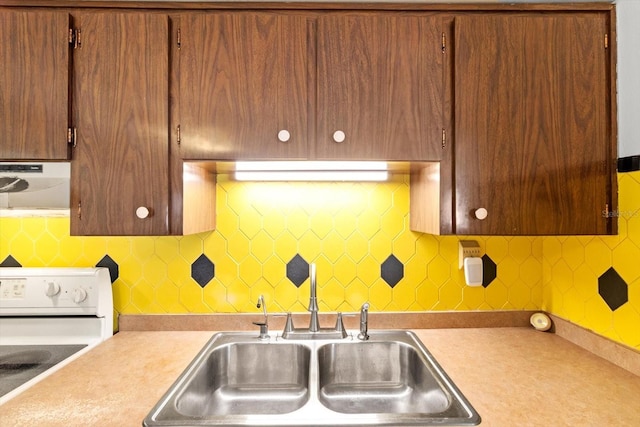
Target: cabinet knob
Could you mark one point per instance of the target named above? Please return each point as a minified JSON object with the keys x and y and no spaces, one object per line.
{"x":339,"y":136}
{"x":481,"y":213}
{"x":284,"y":135}
{"x":143,"y":212}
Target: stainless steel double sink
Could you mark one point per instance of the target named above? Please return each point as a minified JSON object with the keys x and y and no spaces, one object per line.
{"x":238,"y":380}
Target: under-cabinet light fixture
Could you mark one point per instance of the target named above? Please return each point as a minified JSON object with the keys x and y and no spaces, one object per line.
{"x":311,"y":171}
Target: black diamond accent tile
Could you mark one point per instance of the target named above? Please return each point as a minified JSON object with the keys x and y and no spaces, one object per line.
{"x":489,"y":270}
{"x":392,"y":270}
{"x":108,"y":262}
{"x":629,"y":164}
{"x":203,"y":270}
{"x":297,"y":270}
{"x":613,"y":289}
{"x":10,"y":262}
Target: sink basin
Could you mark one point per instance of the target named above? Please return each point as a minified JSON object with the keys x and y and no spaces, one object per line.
{"x":379,"y":377}
{"x":247,"y":378}
{"x":239,"y":380}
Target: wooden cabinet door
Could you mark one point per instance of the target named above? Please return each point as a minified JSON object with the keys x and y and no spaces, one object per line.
{"x":242,"y":79}
{"x":122,"y":117}
{"x":34,"y":85}
{"x":380,"y":82}
{"x":533,"y":142}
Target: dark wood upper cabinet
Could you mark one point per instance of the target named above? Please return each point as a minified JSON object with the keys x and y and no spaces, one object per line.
{"x":121,"y":113}
{"x":380,"y":83}
{"x":243,"y":87}
{"x":34,"y":85}
{"x":506,"y":109}
{"x":245,"y":76}
{"x":533,"y":124}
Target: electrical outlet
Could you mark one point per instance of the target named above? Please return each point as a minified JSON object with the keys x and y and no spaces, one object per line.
{"x":467,"y":249}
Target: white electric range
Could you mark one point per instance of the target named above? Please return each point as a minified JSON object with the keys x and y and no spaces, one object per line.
{"x":49,"y":317}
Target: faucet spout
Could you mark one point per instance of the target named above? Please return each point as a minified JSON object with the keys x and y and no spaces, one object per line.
{"x":364,"y":322}
{"x":314,"y":324}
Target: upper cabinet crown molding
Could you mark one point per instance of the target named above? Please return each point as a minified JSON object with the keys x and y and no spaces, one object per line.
{"x":435,"y":5}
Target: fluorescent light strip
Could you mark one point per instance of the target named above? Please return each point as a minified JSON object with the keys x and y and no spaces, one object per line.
{"x":311,"y":171}
{"x":297,"y":175}
{"x":311,"y":166}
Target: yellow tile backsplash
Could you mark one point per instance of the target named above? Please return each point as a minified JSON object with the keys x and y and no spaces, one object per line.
{"x":572,"y":265}
{"x":348,"y":230}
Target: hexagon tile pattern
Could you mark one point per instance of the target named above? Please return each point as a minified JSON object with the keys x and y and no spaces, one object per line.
{"x":108,"y":262}
{"x":202,"y":270}
{"x":349,"y":230}
{"x":10,"y":262}
{"x":297,"y":270}
{"x":392,"y":270}
{"x":489,"y":270}
{"x":613,"y":289}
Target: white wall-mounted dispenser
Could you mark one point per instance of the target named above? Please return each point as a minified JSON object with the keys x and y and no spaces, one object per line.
{"x":470,"y":260}
{"x":473,"y":271}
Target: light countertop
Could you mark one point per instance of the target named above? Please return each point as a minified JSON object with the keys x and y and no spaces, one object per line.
{"x":512,"y":376}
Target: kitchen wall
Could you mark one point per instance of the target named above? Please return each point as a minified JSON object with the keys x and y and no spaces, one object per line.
{"x":267,"y":234}
{"x":595,"y":281}
{"x":358,"y":235}
{"x":350,"y":230}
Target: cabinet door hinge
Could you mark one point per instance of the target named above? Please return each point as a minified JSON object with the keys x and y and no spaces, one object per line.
{"x":71,"y":137}
{"x":74,"y":38}
{"x":444,"y":138}
{"x":178,"y":134}
{"x":179,"y":38}
{"x":444,"y":42}
{"x":606,"y":41}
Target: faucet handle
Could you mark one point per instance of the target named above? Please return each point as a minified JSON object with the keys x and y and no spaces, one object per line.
{"x":340,"y":326}
{"x":288,"y":326}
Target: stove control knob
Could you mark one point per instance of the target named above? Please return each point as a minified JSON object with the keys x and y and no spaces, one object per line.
{"x":52,"y":289}
{"x":79,"y":295}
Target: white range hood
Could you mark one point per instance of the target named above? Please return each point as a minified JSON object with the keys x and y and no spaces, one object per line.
{"x":34,"y":189}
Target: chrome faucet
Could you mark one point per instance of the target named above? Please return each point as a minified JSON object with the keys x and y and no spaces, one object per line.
{"x":364,"y":322}
{"x":314,"y":324}
{"x":264,"y":326}
{"x":314,"y":331}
